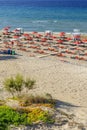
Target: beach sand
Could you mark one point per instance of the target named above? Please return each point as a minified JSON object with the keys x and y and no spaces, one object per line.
{"x":65,"y":80}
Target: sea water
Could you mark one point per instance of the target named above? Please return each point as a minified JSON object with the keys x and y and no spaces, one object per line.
{"x":42,"y":15}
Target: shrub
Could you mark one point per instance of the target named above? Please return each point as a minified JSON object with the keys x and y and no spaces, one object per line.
{"x":29,"y":83}
{"x":2,"y":102}
{"x":16,"y":84}
{"x":9,"y":85}
{"x":28,"y":100}
{"x":38,"y":115}
{"x":8,"y":116}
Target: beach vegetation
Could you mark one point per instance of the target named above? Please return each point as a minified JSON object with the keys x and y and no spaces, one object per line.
{"x":2,"y":102}
{"x":10,"y":116}
{"x":9,"y":85}
{"x":27,"y":100}
{"x":38,"y":115}
{"x":29,"y":83}
{"x":17,"y":84}
{"x":28,"y":109}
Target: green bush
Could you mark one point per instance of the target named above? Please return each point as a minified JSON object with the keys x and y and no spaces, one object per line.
{"x":38,"y":115}
{"x":9,"y":85}
{"x":9,"y":116}
{"x":16,"y":84}
{"x":29,"y":83}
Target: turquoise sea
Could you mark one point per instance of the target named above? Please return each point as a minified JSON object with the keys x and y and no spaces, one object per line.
{"x":41,"y":15}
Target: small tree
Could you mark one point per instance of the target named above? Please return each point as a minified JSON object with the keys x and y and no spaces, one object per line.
{"x":29,"y":83}
{"x":15,"y":85}
{"x":19,"y":83}
{"x":9,"y":85}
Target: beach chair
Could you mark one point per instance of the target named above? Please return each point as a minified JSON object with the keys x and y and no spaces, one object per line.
{"x":61,"y":55}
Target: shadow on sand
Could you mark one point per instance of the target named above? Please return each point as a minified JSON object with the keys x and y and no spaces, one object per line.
{"x":7,"y":57}
{"x":62,"y":104}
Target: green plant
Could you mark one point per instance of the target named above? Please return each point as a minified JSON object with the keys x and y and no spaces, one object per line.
{"x":9,"y":116}
{"x":38,"y":115}
{"x":29,"y":83}
{"x":16,"y":84}
{"x":9,"y":85}
{"x":2,"y":102}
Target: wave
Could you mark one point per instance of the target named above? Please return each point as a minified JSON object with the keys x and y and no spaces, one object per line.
{"x":44,"y":21}
{"x":40,"y":21}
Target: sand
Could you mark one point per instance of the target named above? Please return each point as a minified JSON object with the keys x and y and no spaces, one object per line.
{"x":65,"y":79}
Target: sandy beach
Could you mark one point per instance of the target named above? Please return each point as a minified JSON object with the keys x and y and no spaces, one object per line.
{"x":64,"y":78}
